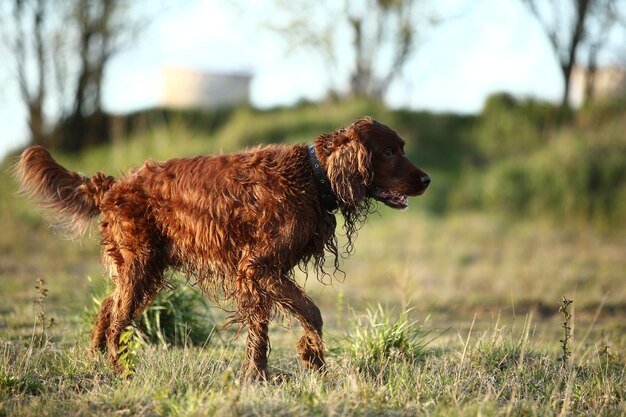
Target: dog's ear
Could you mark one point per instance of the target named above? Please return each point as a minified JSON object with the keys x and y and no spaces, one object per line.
{"x":348,"y":167}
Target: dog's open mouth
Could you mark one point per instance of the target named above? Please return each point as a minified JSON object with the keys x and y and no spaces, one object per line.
{"x":391,"y":198}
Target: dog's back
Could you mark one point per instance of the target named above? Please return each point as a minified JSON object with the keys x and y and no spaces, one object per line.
{"x":209,"y":210}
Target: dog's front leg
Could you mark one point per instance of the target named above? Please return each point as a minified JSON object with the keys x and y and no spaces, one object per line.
{"x":292,"y":299}
{"x":253,"y":309}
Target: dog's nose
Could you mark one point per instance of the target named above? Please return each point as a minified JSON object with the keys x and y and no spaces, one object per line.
{"x":425,"y":180}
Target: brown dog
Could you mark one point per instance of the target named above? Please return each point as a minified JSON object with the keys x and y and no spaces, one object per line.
{"x":237,"y":223}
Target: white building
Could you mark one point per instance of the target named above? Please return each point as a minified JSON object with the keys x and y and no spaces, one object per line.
{"x":609,"y":82}
{"x":184,"y":88}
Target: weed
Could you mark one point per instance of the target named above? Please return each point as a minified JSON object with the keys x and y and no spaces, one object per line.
{"x":567,"y":329}
{"x":609,"y":358}
{"x":44,"y":322}
{"x":131,"y":343}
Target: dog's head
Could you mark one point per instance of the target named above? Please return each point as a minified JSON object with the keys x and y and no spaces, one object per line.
{"x":367,"y":160}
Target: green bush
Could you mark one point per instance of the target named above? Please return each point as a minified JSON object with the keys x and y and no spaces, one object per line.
{"x":578,"y":175}
{"x":508,"y":126}
{"x":178,"y":316}
{"x":600,"y":113}
{"x":301,"y":124}
{"x":526,"y":167}
{"x":435,"y":140}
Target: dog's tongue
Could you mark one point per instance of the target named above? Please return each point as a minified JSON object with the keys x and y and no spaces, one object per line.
{"x":394,"y":199}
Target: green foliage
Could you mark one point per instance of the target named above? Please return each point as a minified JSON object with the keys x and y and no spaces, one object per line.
{"x":435,"y":140}
{"x":600,"y":113}
{"x":301,"y":124}
{"x":529,"y":166}
{"x":510,"y":127}
{"x":178,"y":316}
{"x":131,"y":343}
{"x":515,"y":157}
{"x":382,"y":335}
{"x":576,"y":176}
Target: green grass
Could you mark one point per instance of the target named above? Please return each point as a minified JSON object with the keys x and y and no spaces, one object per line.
{"x":380,"y":336}
{"x":500,"y":371}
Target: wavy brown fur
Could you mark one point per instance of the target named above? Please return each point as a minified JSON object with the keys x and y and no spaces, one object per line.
{"x":238,"y":224}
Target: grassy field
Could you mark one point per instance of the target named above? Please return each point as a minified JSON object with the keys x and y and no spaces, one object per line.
{"x":454,"y":314}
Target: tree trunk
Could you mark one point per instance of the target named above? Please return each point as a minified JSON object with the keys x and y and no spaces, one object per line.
{"x":36,"y":124}
{"x":567,"y":64}
{"x":359,"y":81}
{"x":590,"y":75}
{"x":76,"y":128}
{"x":567,"y":72}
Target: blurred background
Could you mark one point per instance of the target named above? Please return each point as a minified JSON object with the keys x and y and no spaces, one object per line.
{"x":516,"y":108}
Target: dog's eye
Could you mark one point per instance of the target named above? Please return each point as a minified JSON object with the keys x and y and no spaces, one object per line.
{"x":388,"y":152}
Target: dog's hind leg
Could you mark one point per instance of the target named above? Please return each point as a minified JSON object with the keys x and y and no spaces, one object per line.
{"x":110,"y":258}
{"x":103,"y":321}
{"x":138,"y":276}
{"x":292,"y":299}
{"x":134,"y":255}
{"x":137,"y":286}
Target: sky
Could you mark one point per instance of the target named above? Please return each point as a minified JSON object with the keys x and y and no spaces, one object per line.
{"x":484,"y":46}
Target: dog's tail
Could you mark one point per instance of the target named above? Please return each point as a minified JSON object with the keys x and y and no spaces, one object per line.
{"x":70,"y":200}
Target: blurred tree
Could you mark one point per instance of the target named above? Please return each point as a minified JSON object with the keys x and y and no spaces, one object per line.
{"x":30,"y":17}
{"x":378,"y":36}
{"x":65,"y":45}
{"x":572,"y":25}
{"x":391,"y":19}
{"x":565,"y":37}
{"x":102,"y":28}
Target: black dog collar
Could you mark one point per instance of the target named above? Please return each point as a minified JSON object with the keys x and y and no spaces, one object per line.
{"x":329,"y":202}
